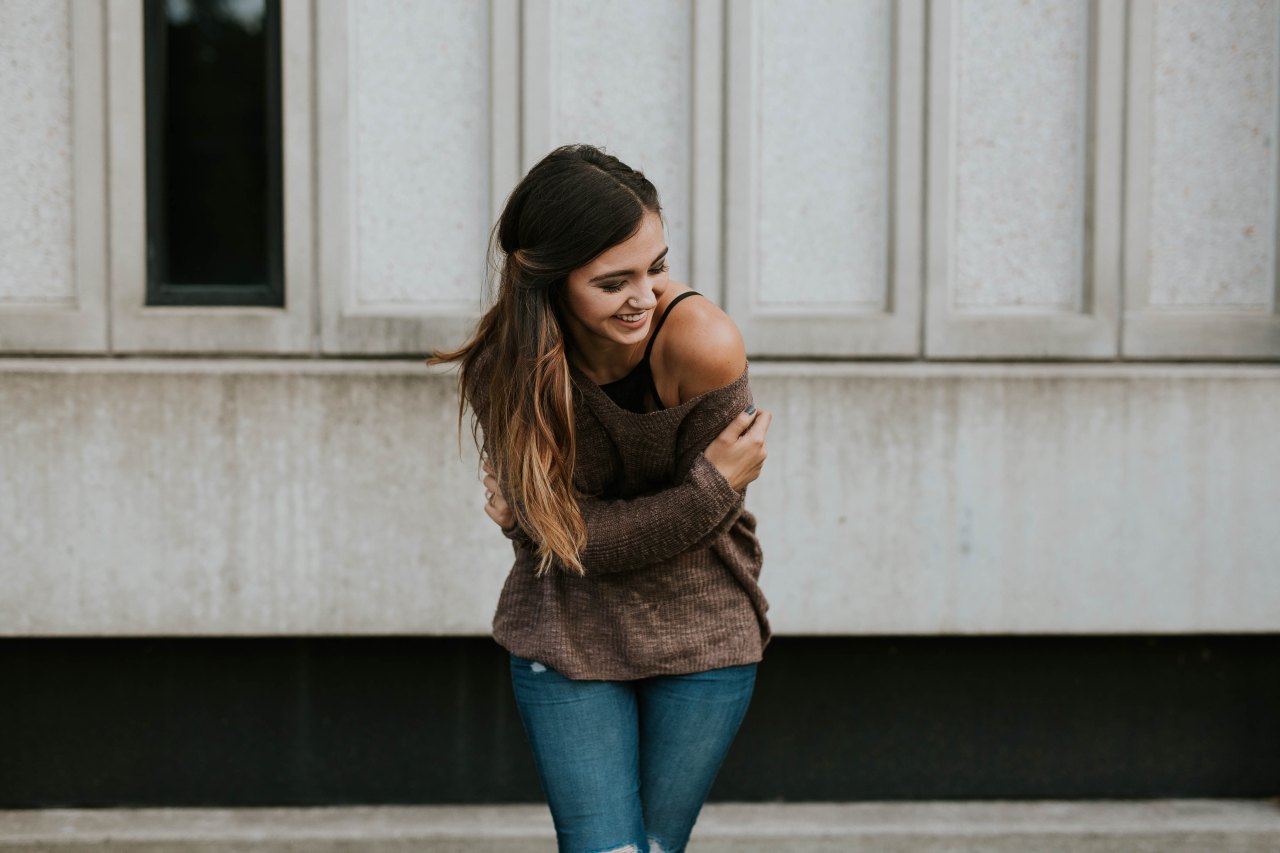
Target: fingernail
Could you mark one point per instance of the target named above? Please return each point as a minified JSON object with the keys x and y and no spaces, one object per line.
{"x":751,"y":408}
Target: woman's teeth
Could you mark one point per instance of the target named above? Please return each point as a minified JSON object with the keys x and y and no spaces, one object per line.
{"x":629,"y":318}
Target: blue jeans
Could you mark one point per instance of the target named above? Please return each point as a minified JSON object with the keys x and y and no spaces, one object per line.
{"x":626,"y":765}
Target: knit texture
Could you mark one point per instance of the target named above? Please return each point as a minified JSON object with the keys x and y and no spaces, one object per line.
{"x":672,"y":557}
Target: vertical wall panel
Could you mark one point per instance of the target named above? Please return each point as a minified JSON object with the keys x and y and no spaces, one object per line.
{"x":419,"y":125}
{"x":414,"y":141}
{"x":618,"y":74}
{"x":52,"y":182}
{"x":36,"y":180}
{"x":1024,"y":190}
{"x":824,"y":185}
{"x":1201,"y":259}
{"x":1021,"y":126}
{"x":823,"y":174}
{"x":1213,"y":163}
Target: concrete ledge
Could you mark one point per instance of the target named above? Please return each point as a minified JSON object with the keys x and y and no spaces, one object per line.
{"x":1166,"y":826}
{"x":250,"y":497}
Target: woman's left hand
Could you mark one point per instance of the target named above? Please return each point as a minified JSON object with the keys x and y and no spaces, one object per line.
{"x":496,"y":506}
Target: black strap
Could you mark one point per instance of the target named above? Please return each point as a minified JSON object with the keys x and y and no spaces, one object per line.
{"x":653,"y":384}
{"x":663,"y":319}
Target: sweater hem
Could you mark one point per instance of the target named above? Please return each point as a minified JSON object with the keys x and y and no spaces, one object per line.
{"x":622,"y":672}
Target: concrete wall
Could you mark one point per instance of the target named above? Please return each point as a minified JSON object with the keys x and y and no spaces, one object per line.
{"x":275,"y":497}
{"x":1008,"y":206}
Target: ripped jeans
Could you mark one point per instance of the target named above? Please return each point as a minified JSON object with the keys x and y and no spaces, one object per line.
{"x":626,"y":765}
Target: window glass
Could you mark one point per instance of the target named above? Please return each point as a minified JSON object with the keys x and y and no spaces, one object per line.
{"x":214,"y":218}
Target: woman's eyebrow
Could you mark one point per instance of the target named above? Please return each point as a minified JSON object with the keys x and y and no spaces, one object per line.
{"x":661,"y":255}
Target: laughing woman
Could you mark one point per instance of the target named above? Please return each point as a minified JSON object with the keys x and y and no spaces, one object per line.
{"x":619,"y":437}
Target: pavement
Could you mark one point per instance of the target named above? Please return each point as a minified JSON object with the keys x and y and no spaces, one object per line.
{"x":1144,"y":826}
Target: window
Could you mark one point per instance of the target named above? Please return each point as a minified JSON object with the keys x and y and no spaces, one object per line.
{"x":213,"y":171}
{"x":194,"y":268}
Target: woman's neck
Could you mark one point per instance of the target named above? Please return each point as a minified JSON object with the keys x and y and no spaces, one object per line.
{"x":603,"y":364}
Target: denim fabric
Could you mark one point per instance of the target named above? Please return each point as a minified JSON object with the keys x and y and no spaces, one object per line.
{"x":629,"y":762}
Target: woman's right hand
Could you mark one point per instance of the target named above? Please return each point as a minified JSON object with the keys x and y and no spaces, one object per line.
{"x":738,"y":453}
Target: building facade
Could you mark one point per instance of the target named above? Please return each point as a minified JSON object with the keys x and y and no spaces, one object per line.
{"x":1006,"y":274}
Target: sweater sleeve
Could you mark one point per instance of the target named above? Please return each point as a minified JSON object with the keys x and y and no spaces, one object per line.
{"x":630,"y":533}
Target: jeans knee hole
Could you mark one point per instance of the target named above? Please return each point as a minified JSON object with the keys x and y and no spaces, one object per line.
{"x":626,"y":848}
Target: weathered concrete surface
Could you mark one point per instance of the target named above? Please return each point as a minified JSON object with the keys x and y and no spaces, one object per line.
{"x":292,"y":497}
{"x":1168,"y":826}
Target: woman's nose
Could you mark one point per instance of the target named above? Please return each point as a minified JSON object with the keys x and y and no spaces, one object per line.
{"x":647,"y":298}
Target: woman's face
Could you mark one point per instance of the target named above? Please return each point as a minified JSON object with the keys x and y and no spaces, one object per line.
{"x":610,"y":300}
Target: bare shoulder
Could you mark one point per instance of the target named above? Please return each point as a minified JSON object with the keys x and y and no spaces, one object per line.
{"x":701,"y":349}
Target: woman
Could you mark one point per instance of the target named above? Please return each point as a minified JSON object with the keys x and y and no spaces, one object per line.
{"x":616,"y":460}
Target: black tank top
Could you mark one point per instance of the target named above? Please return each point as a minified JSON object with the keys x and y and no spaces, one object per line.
{"x":630,"y":391}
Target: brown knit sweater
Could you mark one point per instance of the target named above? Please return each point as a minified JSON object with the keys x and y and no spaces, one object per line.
{"x":672,"y":557}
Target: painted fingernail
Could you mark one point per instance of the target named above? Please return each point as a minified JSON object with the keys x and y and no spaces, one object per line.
{"x":751,"y":408}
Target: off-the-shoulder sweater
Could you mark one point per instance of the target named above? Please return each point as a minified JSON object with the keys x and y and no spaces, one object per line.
{"x":672,"y":559}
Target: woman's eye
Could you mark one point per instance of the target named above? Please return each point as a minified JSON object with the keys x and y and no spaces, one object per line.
{"x":614,"y":288}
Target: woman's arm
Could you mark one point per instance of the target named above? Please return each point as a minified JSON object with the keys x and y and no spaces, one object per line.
{"x":711,"y":479}
{"x":629,"y":533}
{"x":723,"y":451}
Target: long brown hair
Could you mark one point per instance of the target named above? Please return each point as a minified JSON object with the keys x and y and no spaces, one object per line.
{"x":576,"y":203}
